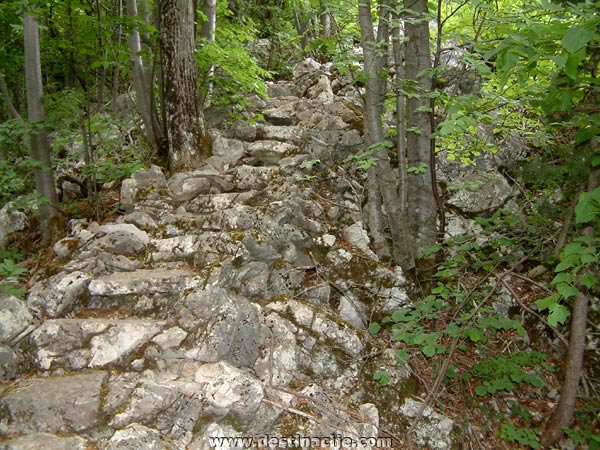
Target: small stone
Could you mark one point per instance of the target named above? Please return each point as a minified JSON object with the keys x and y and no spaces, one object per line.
{"x":16,"y":319}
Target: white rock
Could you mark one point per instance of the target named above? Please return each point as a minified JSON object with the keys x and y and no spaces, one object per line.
{"x":229,"y":389}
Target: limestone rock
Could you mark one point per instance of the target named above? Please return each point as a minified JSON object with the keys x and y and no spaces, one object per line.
{"x":231,"y":149}
{"x":136,"y":437}
{"x":249,"y":177}
{"x":269,"y":152}
{"x":290,"y":134}
{"x":16,"y":320}
{"x":178,"y":248}
{"x":356,"y":235}
{"x":80,"y":343}
{"x":67,"y":404}
{"x":11,"y":221}
{"x":433,"y":430}
{"x":229,"y":390}
{"x":122,"y":239}
{"x":60,"y":294}
{"x":147,"y":292}
{"x":141,"y":220}
{"x":12,"y":362}
{"x":142,"y":180}
{"x":45,"y":441}
{"x":228,"y":327}
{"x":184,"y":186}
{"x":243,"y":131}
{"x":170,"y":338}
{"x":278,"y":364}
{"x":144,"y":281}
{"x":205,"y":204}
{"x":480,"y":192}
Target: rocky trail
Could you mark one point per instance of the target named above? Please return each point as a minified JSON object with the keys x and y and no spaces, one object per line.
{"x":231,"y":301}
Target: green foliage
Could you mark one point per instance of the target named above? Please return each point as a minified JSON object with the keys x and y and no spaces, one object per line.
{"x":578,"y":263}
{"x":236,"y":71}
{"x":585,"y":435}
{"x":382,"y":376}
{"x":11,"y":275}
{"x":520,"y":435}
{"x":364,"y":160}
{"x":503,"y":373}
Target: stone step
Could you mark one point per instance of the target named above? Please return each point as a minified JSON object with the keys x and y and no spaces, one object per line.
{"x":206,"y":204}
{"x":269,"y":152}
{"x":91,"y":343}
{"x":144,"y":292}
{"x":199,"y":249}
{"x":69,"y":404}
{"x":238,"y":218}
{"x":283,"y":133}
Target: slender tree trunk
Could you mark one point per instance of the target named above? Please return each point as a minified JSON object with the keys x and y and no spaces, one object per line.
{"x":10,"y":107}
{"x":207,"y":32}
{"x":117,"y":69}
{"x":563,"y":416}
{"x":385,"y":178}
{"x":188,"y":143}
{"x":39,"y":147}
{"x":143,"y":92}
{"x":398,"y":50}
{"x":422,"y":213}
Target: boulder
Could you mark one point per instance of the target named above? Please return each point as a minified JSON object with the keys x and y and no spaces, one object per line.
{"x":81,"y":343}
{"x":229,"y":390}
{"x":433,"y":430}
{"x":59,"y":294}
{"x":45,"y":441}
{"x":480,"y":192}
{"x":16,"y":320}
{"x":11,"y":221}
{"x":68,"y":404}
{"x":136,"y":437}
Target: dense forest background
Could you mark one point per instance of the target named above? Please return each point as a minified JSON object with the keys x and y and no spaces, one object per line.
{"x":451,"y":80}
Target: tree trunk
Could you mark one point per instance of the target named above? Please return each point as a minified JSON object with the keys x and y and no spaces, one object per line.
{"x":143,"y":90}
{"x":187,"y":141}
{"x":39,"y":147}
{"x":421,"y":201}
{"x":375,"y":86}
{"x":207,"y":32}
{"x":563,"y":416}
{"x":10,"y":107}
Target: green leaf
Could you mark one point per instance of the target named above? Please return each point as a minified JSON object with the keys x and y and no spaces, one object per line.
{"x":576,"y":38}
{"x":563,"y":277}
{"x":374,"y":327}
{"x":586,"y":258}
{"x":584,"y":211}
{"x":429,"y":350}
{"x":382,"y":376}
{"x":481,"y":390}
{"x":564,"y":265}
{"x":558,"y":314}
{"x":566,"y":290}
{"x":401,"y":356}
{"x":547,"y":302}
{"x":588,"y":280}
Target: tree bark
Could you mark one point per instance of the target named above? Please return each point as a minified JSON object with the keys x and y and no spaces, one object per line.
{"x":143,"y":90}
{"x":422,"y":212}
{"x":207,"y":32}
{"x":563,"y":416}
{"x":187,"y":142}
{"x":39,"y":146}
{"x":375,"y":86}
{"x":10,"y":107}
